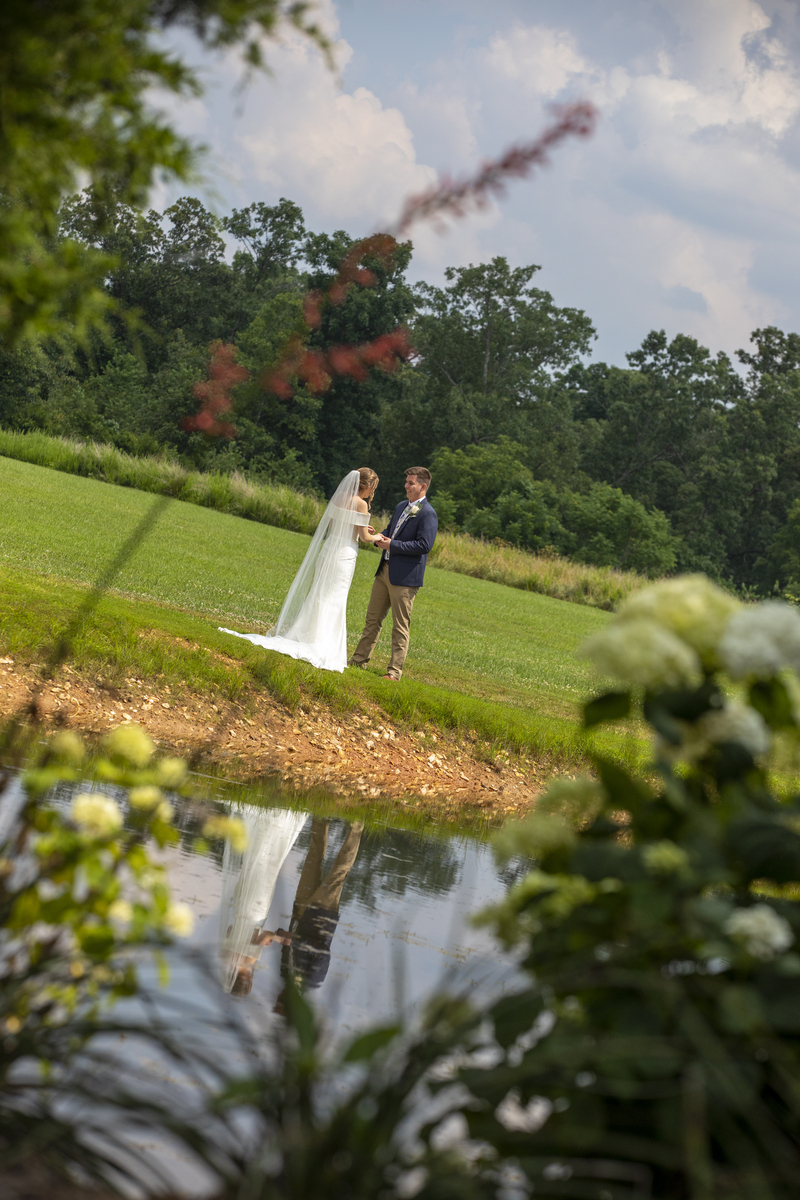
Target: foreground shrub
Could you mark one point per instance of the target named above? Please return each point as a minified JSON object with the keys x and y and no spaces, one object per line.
{"x":79,"y":893}
{"x":657,"y":1050}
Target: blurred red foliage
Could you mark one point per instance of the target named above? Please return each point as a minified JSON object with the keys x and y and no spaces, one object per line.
{"x":315,"y":369}
{"x":453,"y":198}
{"x":214,"y":393}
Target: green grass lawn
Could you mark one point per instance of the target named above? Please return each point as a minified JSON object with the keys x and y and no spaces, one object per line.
{"x":513,"y":649}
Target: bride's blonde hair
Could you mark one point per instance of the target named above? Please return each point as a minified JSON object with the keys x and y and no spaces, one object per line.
{"x":368,"y":479}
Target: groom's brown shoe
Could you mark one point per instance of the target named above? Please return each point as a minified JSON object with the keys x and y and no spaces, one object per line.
{"x":394,"y":678}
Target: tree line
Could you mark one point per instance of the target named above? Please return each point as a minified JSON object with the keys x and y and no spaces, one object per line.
{"x":678,"y":461}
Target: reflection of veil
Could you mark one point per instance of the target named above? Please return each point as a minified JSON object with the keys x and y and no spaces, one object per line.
{"x":248,"y":882}
{"x":313,"y":621}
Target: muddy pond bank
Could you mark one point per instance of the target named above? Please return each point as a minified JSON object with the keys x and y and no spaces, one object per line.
{"x":359,"y":757}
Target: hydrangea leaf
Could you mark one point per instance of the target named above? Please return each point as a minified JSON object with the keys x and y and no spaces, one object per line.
{"x":610,"y":707}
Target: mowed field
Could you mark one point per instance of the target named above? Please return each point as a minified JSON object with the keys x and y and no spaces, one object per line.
{"x":482,"y":638}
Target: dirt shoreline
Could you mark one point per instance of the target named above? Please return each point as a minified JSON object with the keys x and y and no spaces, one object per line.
{"x":357,"y":757}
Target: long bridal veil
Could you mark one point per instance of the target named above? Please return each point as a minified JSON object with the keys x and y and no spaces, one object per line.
{"x":313,"y":621}
{"x":320,"y":569}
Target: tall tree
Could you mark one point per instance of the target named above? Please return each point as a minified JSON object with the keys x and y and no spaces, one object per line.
{"x":660,"y":433}
{"x":348,"y":425}
{"x":74,"y":81}
{"x":490,"y":346}
{"x":765,"y":441}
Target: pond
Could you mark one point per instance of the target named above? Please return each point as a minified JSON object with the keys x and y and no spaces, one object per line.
{"x":368,"y":918}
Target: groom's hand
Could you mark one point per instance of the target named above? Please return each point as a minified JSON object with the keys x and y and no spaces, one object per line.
{"x":383,"y":542}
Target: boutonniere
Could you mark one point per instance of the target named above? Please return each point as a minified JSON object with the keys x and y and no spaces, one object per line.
{"x":412,"y":512}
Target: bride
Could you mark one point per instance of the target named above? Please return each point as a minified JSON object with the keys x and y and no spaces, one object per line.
{"x":313,"y":621}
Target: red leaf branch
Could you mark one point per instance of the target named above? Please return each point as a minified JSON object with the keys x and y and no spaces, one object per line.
{"x":455,"y":197}
{"x":315,"y":369}
{"x":214,"y":393}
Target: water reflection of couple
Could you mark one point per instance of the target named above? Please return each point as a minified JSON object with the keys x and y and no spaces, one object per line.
{"x":313,"y":621}
{"x":249,"y":882}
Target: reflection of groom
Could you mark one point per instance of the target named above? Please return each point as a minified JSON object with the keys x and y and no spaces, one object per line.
{"x":406,"y":543}
{"x":307,"y":953}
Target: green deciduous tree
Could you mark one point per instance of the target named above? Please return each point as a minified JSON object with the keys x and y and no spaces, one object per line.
{"x":489,"y":345}
{"x":348,"y":425}
{"x":74,"y":78}
{"x":659,"y":432}
{"x":489,"y":492}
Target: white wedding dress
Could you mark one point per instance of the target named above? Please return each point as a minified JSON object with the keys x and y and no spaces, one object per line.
{"x":249,"y":880}
{"x":313,"y":621}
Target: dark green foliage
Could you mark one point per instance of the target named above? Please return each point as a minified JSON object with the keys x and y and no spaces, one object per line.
{"x":488,"y":492}
{"x":676,"y":462}
{"x":74,"y":82}
{"x":489,"y":345}
{"x":347,"y":430}
{"x":683,"y":433}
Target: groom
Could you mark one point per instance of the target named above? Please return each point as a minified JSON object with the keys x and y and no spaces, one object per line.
{"x":405,"y":545}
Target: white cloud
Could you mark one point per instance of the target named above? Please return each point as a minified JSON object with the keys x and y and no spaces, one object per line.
{"x":343,"y":156}
{"x":542,"y":61}
{"x":682,"y":181}
{"x":713,"y":266}
{"x":680,"y":199}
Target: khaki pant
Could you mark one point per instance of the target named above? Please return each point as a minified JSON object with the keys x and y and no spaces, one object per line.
{"x":386,"y":595}
{"x":312,"y":888}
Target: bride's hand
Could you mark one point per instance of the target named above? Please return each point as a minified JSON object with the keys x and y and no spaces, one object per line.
{"x":370,"y":529}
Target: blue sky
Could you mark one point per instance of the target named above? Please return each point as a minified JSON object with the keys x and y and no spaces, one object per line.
{"x":682,"y":213}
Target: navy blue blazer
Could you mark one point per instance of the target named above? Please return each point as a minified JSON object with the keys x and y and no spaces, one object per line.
{"x":410,"y":549}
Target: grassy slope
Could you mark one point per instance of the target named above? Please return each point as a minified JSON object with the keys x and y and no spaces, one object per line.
{"x":281,"y":506}
{"x":470,"y":638}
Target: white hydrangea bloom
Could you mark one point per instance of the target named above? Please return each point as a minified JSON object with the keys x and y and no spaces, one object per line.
{"x":96,"y":814}
{"x":120,"y":912}
{"x":146,"y":797}
{"x":736,"y":722}
{"x":739,"y":723}
{"x":691,"y":606}
{"x":233,"y":829}
{"x":171,"y":772}
{"x":761,"y":931}
{"x":132,"y":744}
{"x":179,"y":919}
{"x":761,"y":640}
{"x":643,"y":653}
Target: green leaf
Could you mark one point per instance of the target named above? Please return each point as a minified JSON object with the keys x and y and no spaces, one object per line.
{"x":367,"y":1044}
{"x":765,"y":849}
{"x":662,"y":720}
{"x":623,"y":791}
{"x":687,"y":704}
{"x":300,"y":1016}
{"x":771,"y":699}
{"x":610,"y":707}
{"x":513,"y":1015}
{"x":740,"y":1009}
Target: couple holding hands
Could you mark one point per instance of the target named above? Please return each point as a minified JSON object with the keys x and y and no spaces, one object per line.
{"x":313,"y":621}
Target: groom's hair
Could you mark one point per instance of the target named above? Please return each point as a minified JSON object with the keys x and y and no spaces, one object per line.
{"x":422,"y":474}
